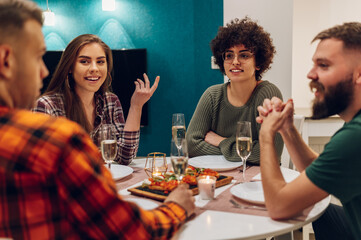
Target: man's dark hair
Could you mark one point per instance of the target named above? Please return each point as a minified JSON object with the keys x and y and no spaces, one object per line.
{"x":349,"y":33}
{"x":14,"y":14}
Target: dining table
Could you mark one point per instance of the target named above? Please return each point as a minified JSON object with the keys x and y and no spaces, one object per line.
{"x":220,"y":218}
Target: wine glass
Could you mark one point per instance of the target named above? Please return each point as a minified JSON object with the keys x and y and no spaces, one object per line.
{"x":156,"y":164}
{"x":179,"y":158}
{"x":108,"y":140}
{"x":244,"y":143}
{"x":178,"y":128}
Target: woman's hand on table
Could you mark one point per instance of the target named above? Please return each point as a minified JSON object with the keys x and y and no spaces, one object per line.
{"x":184,"y":197}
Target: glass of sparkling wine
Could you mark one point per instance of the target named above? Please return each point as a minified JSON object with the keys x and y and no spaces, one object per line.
{"x":178,"y":129}
{"x":108,"y":143}
{"x":244,"y":143}
{"x":179,"y":158}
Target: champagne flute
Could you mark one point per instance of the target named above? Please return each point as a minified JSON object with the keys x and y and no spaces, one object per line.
{"x":108,"y":143}
{"x":179,"y":158}
{"x":178,"y":128}
{"x":244,"y":143}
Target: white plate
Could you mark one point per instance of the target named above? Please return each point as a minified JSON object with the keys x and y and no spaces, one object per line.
{"x":214,"y":162}
{"x":249,"y":191}
{"x":143,"y":203}
{"x":288,"y":174}
{"x":253,"y":191}
{"x":120,"y":171}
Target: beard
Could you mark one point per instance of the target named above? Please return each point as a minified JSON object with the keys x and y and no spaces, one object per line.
{"x":336,"y":98}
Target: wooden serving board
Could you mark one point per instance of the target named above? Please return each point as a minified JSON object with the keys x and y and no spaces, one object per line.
{"x":161,"y":196}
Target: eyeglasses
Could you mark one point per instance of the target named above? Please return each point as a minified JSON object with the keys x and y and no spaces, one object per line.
{"x":228,"y":57}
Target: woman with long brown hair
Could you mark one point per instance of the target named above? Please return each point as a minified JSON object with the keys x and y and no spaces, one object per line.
{"x":79,"y":90}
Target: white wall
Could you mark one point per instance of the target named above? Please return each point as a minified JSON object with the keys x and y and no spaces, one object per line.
{"x":292,"y":25}
{"x":276,"y":18}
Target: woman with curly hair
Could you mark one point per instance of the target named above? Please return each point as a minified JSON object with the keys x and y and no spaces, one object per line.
{"x":243,"y":51}
{"x":79,"y":90}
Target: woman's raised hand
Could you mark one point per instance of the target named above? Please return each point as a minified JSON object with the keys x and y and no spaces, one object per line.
{"x":143,"y":92}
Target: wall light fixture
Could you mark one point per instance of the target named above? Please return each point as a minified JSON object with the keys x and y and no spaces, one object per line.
{"x":108,"y":5}
{"x":49,"y":16}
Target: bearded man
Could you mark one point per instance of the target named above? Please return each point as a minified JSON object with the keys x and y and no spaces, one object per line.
{"x":336,"y":82}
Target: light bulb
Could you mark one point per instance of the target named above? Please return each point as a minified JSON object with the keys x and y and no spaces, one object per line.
{"x":49,"y":18}
{"x":108,"y":5}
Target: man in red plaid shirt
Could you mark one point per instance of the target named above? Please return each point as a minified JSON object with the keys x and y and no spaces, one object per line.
{"x":53,"y":184}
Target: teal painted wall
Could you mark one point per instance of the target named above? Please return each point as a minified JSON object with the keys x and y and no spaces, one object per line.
{"x":176,"y":34}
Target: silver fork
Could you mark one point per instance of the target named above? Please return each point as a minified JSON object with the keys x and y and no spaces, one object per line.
{"x":236,"y":204}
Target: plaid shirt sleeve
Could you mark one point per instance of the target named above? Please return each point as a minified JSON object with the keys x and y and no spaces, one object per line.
{"x":54,"y":185}
{"x":93,"y":202}
{"x":128,"y":141}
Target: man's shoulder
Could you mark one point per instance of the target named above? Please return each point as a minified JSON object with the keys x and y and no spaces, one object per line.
{"x":31,"y":120}
{"x":357,"y":117}
{"x":39,"y":140}
{"x":352,"y":127}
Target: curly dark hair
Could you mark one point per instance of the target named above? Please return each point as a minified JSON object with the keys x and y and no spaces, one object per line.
{"x":252,"y":36}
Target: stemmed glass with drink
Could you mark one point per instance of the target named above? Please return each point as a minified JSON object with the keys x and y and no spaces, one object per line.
{"x":179,"y":158}
{"x":244,"y":143}
{"x":108,"y":143}
{"x":179,"y":151}
{"x":178,"y":128}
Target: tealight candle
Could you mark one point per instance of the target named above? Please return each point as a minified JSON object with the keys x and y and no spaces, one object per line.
{"x":156,"y":173}
{"x":206,"y":186}
{"x":155,"y":164}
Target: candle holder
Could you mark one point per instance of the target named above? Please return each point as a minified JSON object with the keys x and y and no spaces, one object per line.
{"x":206,"y":186}
{"x":156,"y":164}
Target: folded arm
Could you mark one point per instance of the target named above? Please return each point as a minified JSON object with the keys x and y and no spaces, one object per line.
{"x":198,"y":128}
